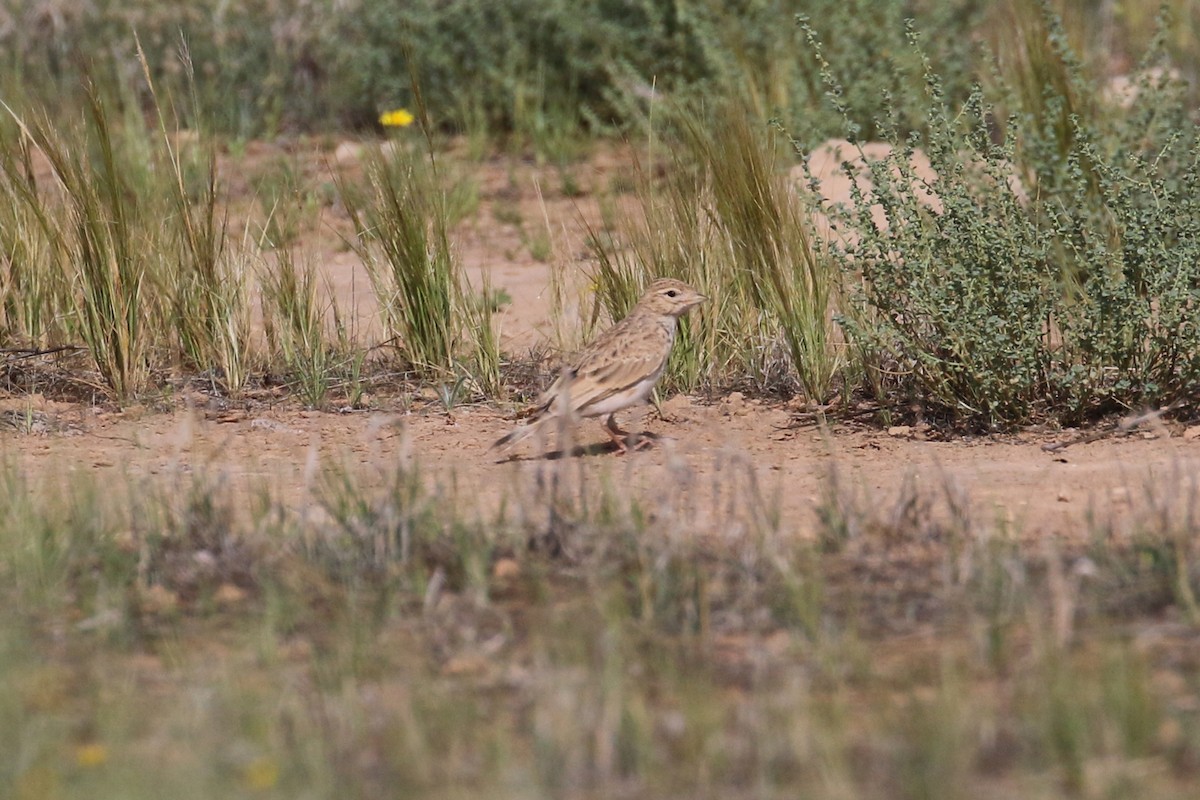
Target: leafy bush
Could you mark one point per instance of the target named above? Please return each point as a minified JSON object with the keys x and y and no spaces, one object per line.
{"x":1072,"y":295}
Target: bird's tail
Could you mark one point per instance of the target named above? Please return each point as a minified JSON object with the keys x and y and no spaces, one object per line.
{"x":552,"y":403}
{"x":518,"y":433}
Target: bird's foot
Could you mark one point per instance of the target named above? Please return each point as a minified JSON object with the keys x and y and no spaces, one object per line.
{"x":626,"y":440}
{"x":634,"y":442}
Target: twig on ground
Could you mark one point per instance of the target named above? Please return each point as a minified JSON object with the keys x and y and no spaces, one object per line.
{"x":30,"y":352}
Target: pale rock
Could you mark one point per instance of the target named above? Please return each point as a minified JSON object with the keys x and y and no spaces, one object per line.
{"x":347,"y":153}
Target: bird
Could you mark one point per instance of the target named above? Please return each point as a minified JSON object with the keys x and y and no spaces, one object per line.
{"x":618,"y":369}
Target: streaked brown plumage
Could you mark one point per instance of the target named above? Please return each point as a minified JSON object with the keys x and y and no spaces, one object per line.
{"x":618,"y":369}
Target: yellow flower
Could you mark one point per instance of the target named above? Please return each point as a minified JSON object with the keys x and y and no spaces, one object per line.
{"x":261,"y":774}
{"x":397,"y":118}
{"x":91,"y":755}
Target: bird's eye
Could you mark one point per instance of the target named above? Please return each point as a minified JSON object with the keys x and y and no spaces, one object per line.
{"x":672,"y":293}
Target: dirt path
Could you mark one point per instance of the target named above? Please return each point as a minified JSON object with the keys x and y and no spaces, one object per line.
{"x":707,"y":453}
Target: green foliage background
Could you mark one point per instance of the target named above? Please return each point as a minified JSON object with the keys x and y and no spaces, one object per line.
{"x":526,"y":66}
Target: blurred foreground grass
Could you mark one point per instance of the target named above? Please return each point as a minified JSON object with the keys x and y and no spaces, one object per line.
{"x":385,"y":639}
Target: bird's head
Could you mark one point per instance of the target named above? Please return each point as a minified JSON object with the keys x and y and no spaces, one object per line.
{"x":669,"y":297}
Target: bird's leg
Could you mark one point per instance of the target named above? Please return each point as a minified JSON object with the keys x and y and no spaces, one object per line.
{"x":625,"y":439}
{"x":615,"y":433}
{"x":641,"y":439}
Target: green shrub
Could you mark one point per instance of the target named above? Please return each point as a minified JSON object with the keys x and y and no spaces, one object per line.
{"x":1068,"y":297}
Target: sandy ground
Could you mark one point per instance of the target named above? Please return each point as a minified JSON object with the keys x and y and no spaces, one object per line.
{"x":706,"y":448}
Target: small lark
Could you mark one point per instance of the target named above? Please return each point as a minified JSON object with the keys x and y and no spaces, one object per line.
{"x":618,"y":369}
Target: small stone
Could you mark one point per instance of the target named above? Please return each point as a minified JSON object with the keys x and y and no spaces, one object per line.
{"x":126,"y":541}
{"x":1192,"y":433}
{"x":899,"y":430}
{"x":297,"y":650}
{"x":467,"y":664}
{"x":1063,"y":497}
{"x":228,"y":594}
{"x":672,"y":724}
{"x":1170,"y":732}
{"x":735,"y":405}
{"x":778,"y":643}
{"x":506,"y":569}
{"x":158,"y":599}
{"x":272,"y":426}
{"x":1085,"y":568}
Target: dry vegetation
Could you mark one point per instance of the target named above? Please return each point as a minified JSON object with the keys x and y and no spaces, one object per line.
{"x":384,"y":631}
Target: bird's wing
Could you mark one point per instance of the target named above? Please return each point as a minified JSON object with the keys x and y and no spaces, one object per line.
{"x":605,"y":371}
{"x":623,"y":356}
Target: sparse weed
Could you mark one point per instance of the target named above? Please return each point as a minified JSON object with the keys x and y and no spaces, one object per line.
{"x":101,"y":236}
{"x":205,"y":281}
{"x":123,"y":246}
{"x":1150,"y":560}
{"x":287,"y":204}
{"x":507,"y":214}
{"x":402,"y":235}
{"x":483,"y":360}
{"x":297,"y":326}
{"x":777,"y":260}
{"x":33,"y":297}
{"x":540,"y":247}
{"x":729,"y":223}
